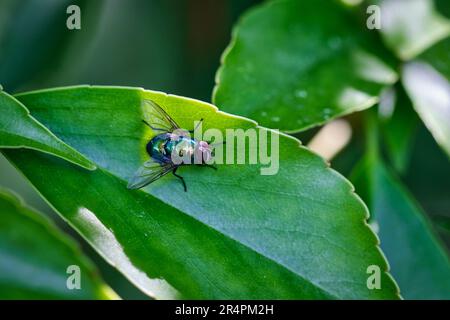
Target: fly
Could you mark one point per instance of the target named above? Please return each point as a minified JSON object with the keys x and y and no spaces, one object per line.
{"x":171,"y":148}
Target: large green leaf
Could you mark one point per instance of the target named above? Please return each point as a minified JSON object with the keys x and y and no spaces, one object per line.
{"x":289,"y":68}
{"x":35,"y":257}
{"x":418,"y":260}
{"x":427,"y":82}
{"x":410,"y":27}
{"x":234,"y":234}
{"x":18,"y":129}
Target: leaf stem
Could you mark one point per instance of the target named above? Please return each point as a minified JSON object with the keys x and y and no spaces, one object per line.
{"x":372,"y":135}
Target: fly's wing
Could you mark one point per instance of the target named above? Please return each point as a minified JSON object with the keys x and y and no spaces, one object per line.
{"x":157,"y":118}
{"x":149,"y":172}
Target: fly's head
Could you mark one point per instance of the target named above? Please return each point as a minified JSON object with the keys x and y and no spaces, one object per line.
{"x":203,"y":151}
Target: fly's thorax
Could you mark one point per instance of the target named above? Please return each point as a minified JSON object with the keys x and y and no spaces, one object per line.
{"x":182,"y":150}
{"x":185,"y":150}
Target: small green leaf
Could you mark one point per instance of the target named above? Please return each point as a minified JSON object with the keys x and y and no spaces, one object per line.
{"x":411,"y":27}
{"x":416,"y":257}
{"x":427,"y":82}
{"x":235,"y":234}
{"x":18,"y":129}
{"x":289,"y":68}
{"x":35,"y":256}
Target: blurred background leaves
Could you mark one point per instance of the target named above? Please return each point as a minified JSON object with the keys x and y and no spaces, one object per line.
{"x":427,"y":81}
{"x":34,"y":40}
{"x":416,"y":256}
{"x":172,"y":46}
{"x":35,"y":257}
{"x":410,"y":27}
{"x":399,"y":126}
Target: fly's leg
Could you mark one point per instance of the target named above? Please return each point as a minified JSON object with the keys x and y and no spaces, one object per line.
{"x":198,"y":124}
{"x":180,"y":177}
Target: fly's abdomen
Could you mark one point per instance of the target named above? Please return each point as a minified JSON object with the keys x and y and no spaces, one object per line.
{"x":182,"y":148}
{"x":164,"y":146}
